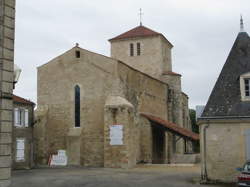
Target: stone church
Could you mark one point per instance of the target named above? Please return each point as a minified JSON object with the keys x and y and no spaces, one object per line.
{"x":114,"y":111}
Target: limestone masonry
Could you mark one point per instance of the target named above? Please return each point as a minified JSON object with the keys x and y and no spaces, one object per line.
{"x":7,"y":33}
{"x":84,"y":99}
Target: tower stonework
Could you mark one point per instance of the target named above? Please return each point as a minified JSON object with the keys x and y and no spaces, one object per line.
{"x":7,"y":30}
{"x":152,"y":56}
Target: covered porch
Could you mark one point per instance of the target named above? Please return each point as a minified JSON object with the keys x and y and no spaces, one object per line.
{"x":165,"y":136}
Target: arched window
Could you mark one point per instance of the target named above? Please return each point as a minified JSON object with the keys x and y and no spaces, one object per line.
{"x":77,"y":106}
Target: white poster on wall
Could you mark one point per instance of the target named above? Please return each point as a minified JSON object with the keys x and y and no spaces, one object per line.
{"x":116,"y":135}
{"x":60,"y":159}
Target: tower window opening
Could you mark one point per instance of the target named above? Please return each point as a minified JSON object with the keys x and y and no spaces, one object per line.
{"x":78,"y":54}
{"x":138,"y":49}
{"x":131,"y":49}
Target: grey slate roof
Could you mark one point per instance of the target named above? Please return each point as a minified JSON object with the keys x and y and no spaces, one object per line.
{"x":225,"y":99}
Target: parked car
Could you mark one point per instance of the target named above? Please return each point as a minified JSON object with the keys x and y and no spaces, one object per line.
{"x":244,"y":176}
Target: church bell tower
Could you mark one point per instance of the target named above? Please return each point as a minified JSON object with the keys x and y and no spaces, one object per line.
{"x":143,"y":49}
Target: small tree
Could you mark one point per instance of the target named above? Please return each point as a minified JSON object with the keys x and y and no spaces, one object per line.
{"x":192,"y":114}
{"x":195,"y":128}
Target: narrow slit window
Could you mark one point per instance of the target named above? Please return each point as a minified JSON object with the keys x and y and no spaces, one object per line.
{"x":78,"y":54}
{"x":77,"y":106}
{"x":131,"y":49}
{"x":138,"y":49}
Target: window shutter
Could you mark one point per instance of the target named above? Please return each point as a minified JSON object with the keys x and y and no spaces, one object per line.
{"x":26,"y":117}
{"x":22,"y":114}
{"x":16,"y":117}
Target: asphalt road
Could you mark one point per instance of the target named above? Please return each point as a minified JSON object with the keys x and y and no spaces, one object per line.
{"x":142,"y":176}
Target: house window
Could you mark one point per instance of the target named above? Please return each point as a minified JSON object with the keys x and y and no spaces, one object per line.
{"x":131,"y":49}
{"x":77,"y":106}
{"x":20,"y":150}
{"x":78,"y":54}
{"x":247,"y":86}
{"x":138,"y":49}
{"x":21,"y":117}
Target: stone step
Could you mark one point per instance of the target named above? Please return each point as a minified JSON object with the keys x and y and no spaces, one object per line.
{"x":185,"y":158}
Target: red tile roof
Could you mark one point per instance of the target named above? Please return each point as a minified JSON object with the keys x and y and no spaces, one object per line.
{"x":22,"y":100}
{"x":139,"y":31}
{"x":171,"y":73}
{"x":172,"y":127}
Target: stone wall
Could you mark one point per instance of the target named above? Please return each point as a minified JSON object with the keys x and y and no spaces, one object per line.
{"x":56,"y":82}
{"x":147,"y":95}
{"x":118,"y":111}
{"x":100,"y":78}
{"x":7,"y":33}
{"x":145,"y":153}
{"x":186,"y":122}
{"x":166,"y":55}
{"x":155,"y":55}
{"x":177,"y":106}
{"x":224,"y":150}
{"x":39,"y":134}
{"x":133,"y":92}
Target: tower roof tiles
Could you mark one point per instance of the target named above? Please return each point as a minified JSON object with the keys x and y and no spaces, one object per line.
{"x":140,"y":31}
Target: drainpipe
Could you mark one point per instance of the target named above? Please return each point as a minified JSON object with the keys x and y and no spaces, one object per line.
{"x":204,"y":171}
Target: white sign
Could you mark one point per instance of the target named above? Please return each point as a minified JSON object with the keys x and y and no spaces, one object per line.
{"x":61,"y":153}
{"x":116,"y":135}
{"x":60,"y":159}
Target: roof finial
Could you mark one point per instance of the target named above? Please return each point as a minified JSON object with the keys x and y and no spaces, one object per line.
{"x":241,"y":24}
{"x":140,"y":14}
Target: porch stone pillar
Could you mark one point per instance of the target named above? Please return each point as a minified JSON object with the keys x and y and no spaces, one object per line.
{"x":118,"y":111}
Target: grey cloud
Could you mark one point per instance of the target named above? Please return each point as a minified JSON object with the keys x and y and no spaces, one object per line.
{"x":202,"y":32}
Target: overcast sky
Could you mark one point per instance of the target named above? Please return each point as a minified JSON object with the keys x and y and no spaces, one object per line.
{"x":202,"y":32}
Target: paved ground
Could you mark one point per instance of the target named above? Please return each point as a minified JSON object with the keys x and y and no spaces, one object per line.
{"x":142,"y":176}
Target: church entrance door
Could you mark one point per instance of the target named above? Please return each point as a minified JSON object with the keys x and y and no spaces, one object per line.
{"x":158,"y":136}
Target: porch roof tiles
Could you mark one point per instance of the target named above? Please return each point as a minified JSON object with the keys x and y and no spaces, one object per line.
{"x":172,"y":127}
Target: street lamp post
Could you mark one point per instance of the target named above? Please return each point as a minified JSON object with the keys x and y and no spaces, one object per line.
{"x":17,"y":72}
